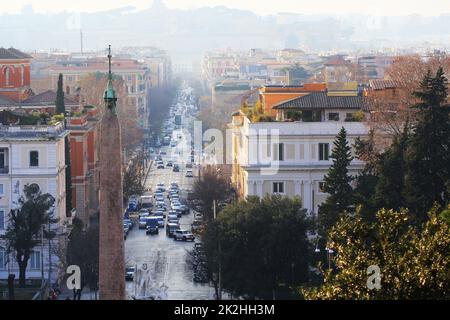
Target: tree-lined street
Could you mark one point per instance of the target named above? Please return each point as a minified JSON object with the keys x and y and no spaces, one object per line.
{"x":168,"y":274}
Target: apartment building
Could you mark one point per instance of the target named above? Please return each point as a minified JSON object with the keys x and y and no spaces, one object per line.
{"x":32,"y":155}
{"x":84,"y":134}
{"x":291,"y":156}
{"x":136,"y":77}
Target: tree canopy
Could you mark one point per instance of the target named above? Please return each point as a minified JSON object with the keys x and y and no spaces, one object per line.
{"x":413,"y":263}
{"x":25,"y":226}
{"x":337,"y":184}
{"x":263,"y":246}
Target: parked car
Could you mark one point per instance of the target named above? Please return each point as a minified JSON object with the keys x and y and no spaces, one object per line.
{"x":129,"y":222}
{"x":130,"y":273}
{"x":169,"y":163}
{"x":189,"y":174}
{"x":183,"y":235}
{"x":184,"y":209}
{"x":132,"y":205}
{"x":126,"y":228}
{"x":176,"y":168}
{"x":160,"y":165}
{"x":171,"y":228}
{"x":196,"y":225}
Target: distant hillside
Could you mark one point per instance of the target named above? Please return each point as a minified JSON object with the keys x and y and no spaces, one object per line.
{"x":187,"y":33}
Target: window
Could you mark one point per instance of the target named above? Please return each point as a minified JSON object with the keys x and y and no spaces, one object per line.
{"x":129,"y":78}
{"x":3,"y":163}
{"x":22,"y":69}
{"x":333,"y":116}
{"x":2,"y":259}
{"x":35,"y":260}
{"x":278,"y":154}
{"x":321,"y":187}
{"x":324,"y":151}
{"x":2,"y":191}
{"x":2,"y":220}
{"x":34,"y":158}
{"x":350,"y":116}
{"x":278,"y":187}
{"x":311,"y":116}
{"x":7,"y":76}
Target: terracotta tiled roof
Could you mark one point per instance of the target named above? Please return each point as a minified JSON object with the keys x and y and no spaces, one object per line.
{"x":320,"y":100}
{"x":380,"y":84}
{"x":47,"y":98}
{"x":12,"y":53}
{"x":336,"y":61}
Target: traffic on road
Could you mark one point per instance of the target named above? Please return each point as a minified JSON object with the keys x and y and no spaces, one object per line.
{"x":166,"y":223}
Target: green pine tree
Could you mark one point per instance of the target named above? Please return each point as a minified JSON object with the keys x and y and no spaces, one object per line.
{"x":391,"y":179}
{"x":337,"y":184}
{"x":59,"y":103}
{"x":428,"y":155}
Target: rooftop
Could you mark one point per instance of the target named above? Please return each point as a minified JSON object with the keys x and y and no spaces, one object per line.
{"x":379,"y":84}
{"x":298,"y":88}
{"x":11,"y":54}
{"x":320,"y":100}
{"x":306,"y":128}
{"x":336,"y":61}
{"x":47,"y":98}
{"x":37,"y":132}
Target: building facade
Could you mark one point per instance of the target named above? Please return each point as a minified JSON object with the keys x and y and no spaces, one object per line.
{"x":83,"y":137}
{"x":136,"y":77}
{"x":291,"y":157}
{"x":32,"y":155}
{"x":14,"y":74}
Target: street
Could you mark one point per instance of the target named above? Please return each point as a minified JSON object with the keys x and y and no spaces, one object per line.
{"x":162,"y":271}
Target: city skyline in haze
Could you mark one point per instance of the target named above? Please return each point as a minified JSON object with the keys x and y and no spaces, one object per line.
{"x":382,"y":7}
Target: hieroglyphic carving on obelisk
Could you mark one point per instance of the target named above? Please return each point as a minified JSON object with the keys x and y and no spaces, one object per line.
{"x":112,"y":256}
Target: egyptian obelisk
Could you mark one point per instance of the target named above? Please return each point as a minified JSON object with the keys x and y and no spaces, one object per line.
{"x":112,"y":256}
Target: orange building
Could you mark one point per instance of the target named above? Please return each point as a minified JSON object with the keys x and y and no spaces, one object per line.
{"x":14,"y":74}
{"x":84,"y":162}
{"x":273,"y":95}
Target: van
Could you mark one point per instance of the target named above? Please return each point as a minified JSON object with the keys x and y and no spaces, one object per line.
{"x":146,"y":201}
{"x":171,"y":228}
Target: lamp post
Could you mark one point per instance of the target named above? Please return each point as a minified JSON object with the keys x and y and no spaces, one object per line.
{"x":220,"y":257}
{"x":328,"y":251}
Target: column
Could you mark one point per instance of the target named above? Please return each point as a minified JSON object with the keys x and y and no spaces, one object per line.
{"x":259,"y":188}
{"x":297,"y":188}
{"x":307,"y":191}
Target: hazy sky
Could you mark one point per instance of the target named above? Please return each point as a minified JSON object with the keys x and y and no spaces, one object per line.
{"x":378,"y":7}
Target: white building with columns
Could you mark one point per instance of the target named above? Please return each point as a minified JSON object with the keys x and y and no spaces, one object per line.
{"x":32,"y":155}
{"x":291,"y":158}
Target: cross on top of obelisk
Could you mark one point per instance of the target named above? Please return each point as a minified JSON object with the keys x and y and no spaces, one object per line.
{"x":110,"y":97}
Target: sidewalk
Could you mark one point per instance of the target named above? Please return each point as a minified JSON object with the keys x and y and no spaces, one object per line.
{"x":67,"y":294}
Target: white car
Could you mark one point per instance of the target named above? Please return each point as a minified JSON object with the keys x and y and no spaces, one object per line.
{"x":183,"y":235}
{"x":189,"y":174}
